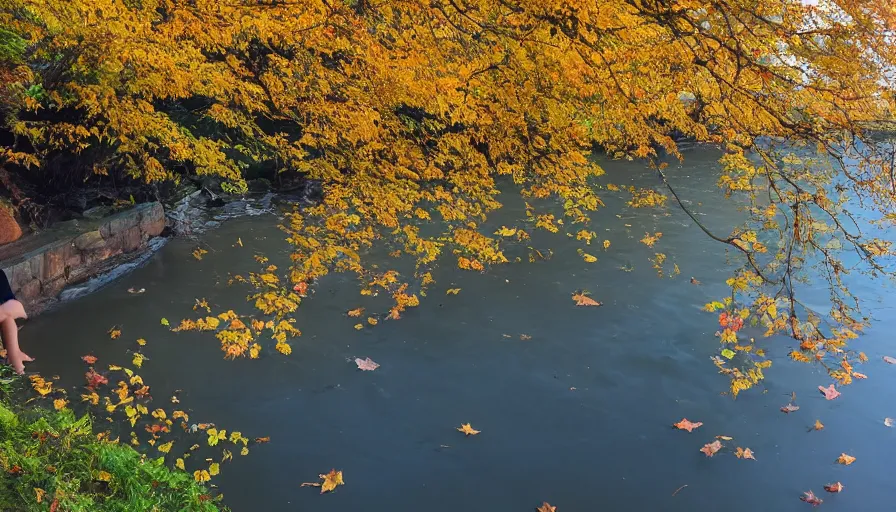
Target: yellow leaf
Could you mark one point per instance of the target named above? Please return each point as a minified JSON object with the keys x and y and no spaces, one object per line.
{"x":452,"y":291}
{"x":39,"y":494}
{"x":356,"y":312}
{"x":138,"y":360}
{"x":818,"y":425}
{"x":845,"y":459}
{"x":588,"y":258}
{"x":165,"y":322}
{"x":467,"y":429}
{"x":114,"y":333}
{"x":59,"y":403}
{"x":201,"y":476}
{"x":283,"y":348}
{"x":372,"y":321}
{"x":214,"y":469}
{"x":165,"y":448}
{"x":244,"y":451}
{"x":359,"y":326}
{"x":104,"y":476}
{"x":179,"y":464}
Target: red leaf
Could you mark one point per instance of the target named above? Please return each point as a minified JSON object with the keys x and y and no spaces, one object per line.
{"x":829,"y":392}
{"x":54,"y":505}
{"x":834,"y":487}
{"x":89,"y":359}
{"x":811,"y":498}
{"x":95,"y":379}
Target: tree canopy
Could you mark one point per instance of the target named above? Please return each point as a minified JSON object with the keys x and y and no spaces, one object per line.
{"x":410,"y":111}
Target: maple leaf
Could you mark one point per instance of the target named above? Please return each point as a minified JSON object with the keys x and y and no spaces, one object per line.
{"x":366,"y":364}
{"x":89,"y":359}
{"x":829,"y":392}
{"x":355,"y":312}
{"x":684,"y":424}
{"x":845,"y":459}
{"x":791,"y":407}
{"x":811,"y":498}
{"x":710,"y":449}
{"x":818,"y":425}
{"x":43,"y":387}
{"x":95,"y":379}
{"x":546,"y":507}
{"x":837,"y":487}
{"x":467,"y":429}
{"x":584,"y":300}
{"x":329,"y":481}
{"x":114,"y":333}
{"x":744,"y":453}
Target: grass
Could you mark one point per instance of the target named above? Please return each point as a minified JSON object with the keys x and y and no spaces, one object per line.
{"x":52,"y":461}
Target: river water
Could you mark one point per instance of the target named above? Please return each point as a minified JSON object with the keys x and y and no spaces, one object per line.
{"x":579,"y":415}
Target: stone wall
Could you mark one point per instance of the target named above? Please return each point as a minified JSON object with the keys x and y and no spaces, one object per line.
{"x":40,"y":266}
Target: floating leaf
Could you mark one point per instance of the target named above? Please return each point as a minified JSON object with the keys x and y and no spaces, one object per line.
{"x":165,"y":448}
{"x":114,"y":333}
{"x":366,"y":364}
{"x":201,"y":476}
{"x":329,"y":481}
{"x":889,"y":422}
{"x":588,"y":258}
{"x":811,"y":498}
{"x":452,"y":291}
{"x":829,"y":392}
{"x":837,"y":487}
{"x":355,"y":312}
{"x":859,"y":375}
{"x":141,"y":342}
{"x":818,"y":425}
{"x":684,"y":424}
{"x":261,"y":440}
{"x":179,"y":464}
{"x":467,"y":429}
{"x":744,"y":453}
{"x":214,"y":469}
{"x":43,"y":387}
{"x":845,"y":459}
{"x":138,"y":360}
{"x":710,"y":449}
{"x":59,"y":404}
{"x":165,"y":322}
{"x":546,"y":507}
{"x":584,"y":300}
{"x":358,"y":327}
{"x":136,"y":291}
{"x":727,"y":353}
{"x":791,"y":407}
{"x":89,"y":359}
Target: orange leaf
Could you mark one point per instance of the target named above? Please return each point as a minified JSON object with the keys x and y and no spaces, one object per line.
{"x":744,"y":453}
{"x":356,"y":312}
{"x":89,"y":359}
{"x":684,"y":424}
{"x":584,"y":300}
{"x":818,"y":425}
{"x":546,"y":507}
{"x":710,"y":449}
{"x":845,"y":459}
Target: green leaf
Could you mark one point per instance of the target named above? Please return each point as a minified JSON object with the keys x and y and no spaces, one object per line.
{"x":727,"y":353}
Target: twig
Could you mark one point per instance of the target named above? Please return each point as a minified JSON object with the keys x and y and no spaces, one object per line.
{"x":680,"y":488}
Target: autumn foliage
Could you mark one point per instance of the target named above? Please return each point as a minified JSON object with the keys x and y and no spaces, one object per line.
{"x":407,"y":112}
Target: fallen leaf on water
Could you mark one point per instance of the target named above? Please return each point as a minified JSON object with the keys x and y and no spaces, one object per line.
{"x":525,"y":337}
{"x":889,"y":422}
{"x":165,"y":322}
{"x":744,"y":453}
{"x":201,"y":476}
{"x":214,"y":468}
{"x":199,"y":252}
{"x":114,"y":333}
{"x":372,"y":321}
{"x":138,"y":360}
{"x":588,"y":257}
{"x":724,"y":438}
{"x":859,"y":375}
{"x":366,"y":364}
{"x":136,"y":291}
{"x":790,"y":408}
{"x":584,"y":300}
{"x":301,"y":288}
{"x":684,"y":424}
{"x":261,"y":440}
{"x":891,"y":360}
{"x":845,"y":459}
{"x":141,"y":342}
{"x":818,"y":425}
{"x":239,"y":242}
{"x":834,"y":487}
{"x":165,"y":448}
{"x":330,"y":481}
{"x":244,"y":451}
{"x":59,"y":403}
{"x":829,"y":392}
{"x":355,"y":312}
{"x":452,"y":291}
{"x":89,"y":359}
{"x":95,"y":379}
{"x":710,"y":449}
{"x":811,"y":498}
{"x":179,"y":464}
{"x":694,"y":281}
{"x":358,"y":327}
{"x":467,"y":429}
{"x":546,"y":507}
